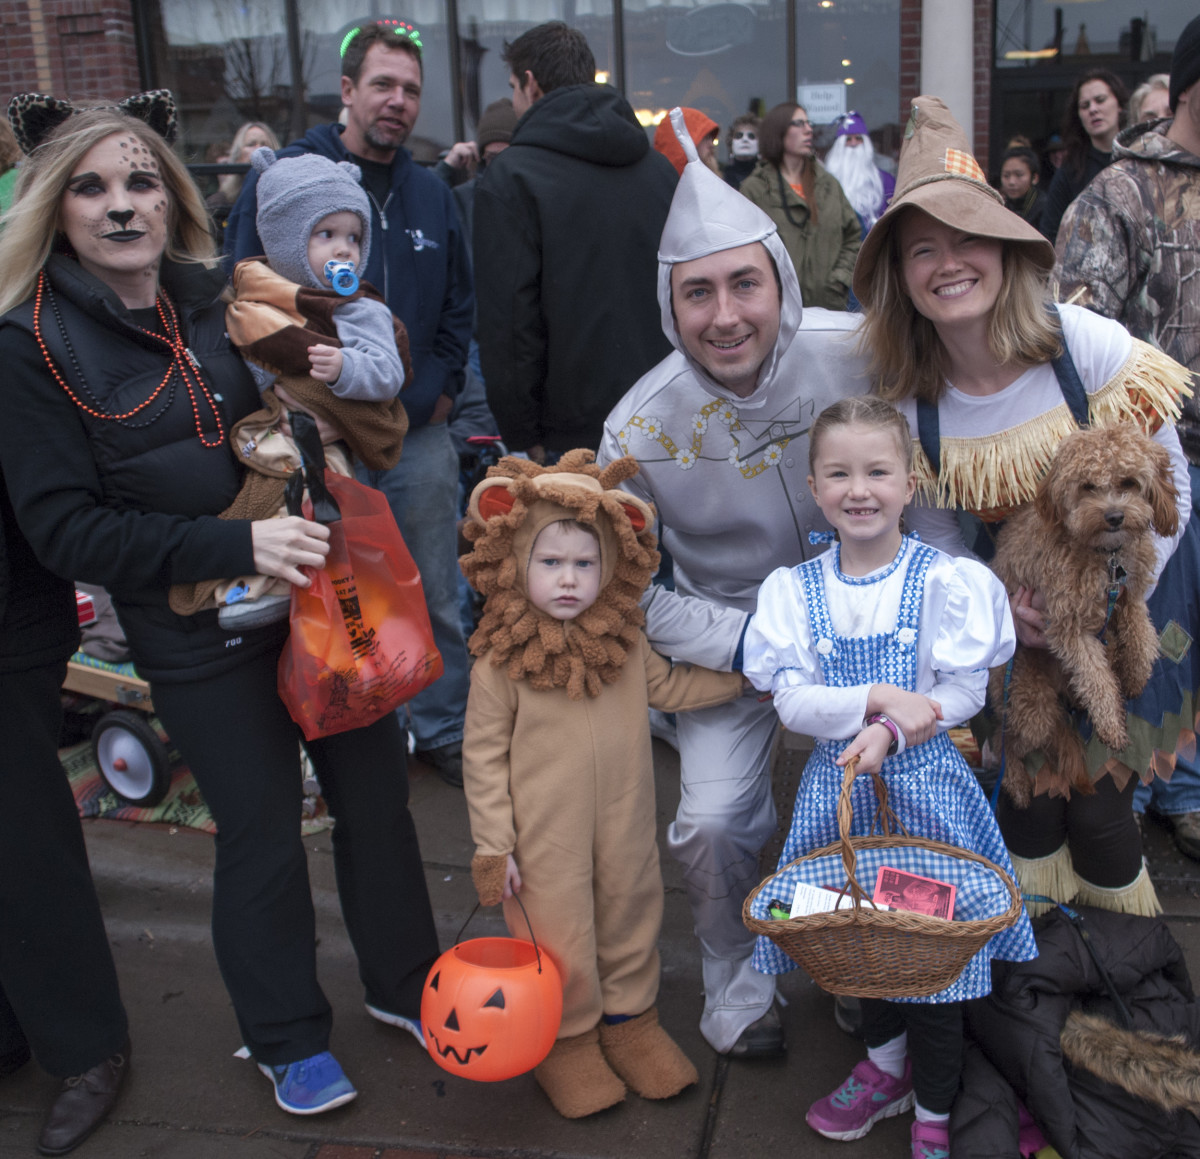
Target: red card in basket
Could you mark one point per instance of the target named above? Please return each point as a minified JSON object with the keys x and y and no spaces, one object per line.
{"x":919,"y":895}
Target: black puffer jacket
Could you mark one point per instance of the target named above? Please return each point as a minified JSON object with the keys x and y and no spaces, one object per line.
{"x":130,"y":505}
{"x":1050,"y":1035}
{"x":38,"y":621}
{"x":567,"y":224}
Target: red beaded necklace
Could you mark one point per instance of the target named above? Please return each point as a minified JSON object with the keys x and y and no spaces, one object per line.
{"x":183,"y":362}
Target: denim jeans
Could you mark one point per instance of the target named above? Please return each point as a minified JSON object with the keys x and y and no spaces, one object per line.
{"x":422,"y":490}
{"x":1181,"y":794}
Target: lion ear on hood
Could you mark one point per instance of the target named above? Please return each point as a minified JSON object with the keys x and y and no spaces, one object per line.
{"x":490,"y":498}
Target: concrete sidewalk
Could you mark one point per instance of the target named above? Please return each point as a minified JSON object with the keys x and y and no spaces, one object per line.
{"x":189,"y":1098}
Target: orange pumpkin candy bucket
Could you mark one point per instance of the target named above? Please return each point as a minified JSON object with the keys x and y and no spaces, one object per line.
{"x":491,"y":1008}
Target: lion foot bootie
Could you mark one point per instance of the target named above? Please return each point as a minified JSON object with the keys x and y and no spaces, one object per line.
{"x":646,"y":1056}
{"x":576,"y":1077}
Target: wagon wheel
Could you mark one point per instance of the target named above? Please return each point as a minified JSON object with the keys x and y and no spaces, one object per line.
{"x":132,"y":760}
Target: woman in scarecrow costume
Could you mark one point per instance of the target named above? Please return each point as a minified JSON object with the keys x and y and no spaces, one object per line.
{"x":964,"y":340}
{"x":557,"y":761}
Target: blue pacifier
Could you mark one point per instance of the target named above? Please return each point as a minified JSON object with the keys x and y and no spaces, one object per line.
{"x":342,"y":277}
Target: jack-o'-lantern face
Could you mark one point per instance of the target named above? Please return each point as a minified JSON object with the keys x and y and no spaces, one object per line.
{"x":488,"y":1012}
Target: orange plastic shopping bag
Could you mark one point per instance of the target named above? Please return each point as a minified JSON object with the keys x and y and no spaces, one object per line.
{"x":360,"y":643}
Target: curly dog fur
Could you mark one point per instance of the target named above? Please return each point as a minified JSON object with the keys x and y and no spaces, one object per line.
{"x":1106,"y":494}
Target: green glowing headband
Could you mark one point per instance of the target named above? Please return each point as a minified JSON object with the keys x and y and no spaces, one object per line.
{"x":402,"y":30}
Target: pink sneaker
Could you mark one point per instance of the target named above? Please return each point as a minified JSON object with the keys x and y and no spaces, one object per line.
{"x":867,"y":1096}
{"x":930,"y":1141}
{"x":1031,"y":1139}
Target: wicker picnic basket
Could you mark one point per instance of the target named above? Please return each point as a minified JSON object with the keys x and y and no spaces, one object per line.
{"x":873,"y":953}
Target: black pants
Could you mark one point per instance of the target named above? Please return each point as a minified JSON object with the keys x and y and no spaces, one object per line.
{"x":1099,"y":829}
{"x":243,"y":749}
{"x":58,"y":985}
{"x":935,"y":1044}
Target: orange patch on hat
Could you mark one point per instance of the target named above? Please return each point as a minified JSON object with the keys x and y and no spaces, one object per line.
{"x":963,"y":165}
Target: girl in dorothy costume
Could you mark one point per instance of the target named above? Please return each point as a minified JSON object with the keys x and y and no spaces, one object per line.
{"x":964,"y":340}
{"x":875,"y":648}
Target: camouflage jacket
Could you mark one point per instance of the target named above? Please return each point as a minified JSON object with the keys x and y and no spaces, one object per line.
{"x":1130,"y":244}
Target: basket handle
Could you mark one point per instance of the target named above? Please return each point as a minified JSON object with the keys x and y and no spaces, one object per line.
{"x":516,"y":897}
{"x":845,"y":817}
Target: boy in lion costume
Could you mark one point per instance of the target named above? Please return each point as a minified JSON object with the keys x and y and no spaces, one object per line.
{"x":557,"y":764}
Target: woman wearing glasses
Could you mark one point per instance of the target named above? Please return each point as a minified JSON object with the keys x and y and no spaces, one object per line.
{"x":815,"y":221}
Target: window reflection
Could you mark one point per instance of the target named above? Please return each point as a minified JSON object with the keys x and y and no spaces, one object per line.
{"x":231,"y":61}
{"x":721,"y":58}
{"x":847,"y":57}
{"x":485,"y":25}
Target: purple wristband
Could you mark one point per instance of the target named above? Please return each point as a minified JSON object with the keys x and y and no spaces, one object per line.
{"x":890,"y":725}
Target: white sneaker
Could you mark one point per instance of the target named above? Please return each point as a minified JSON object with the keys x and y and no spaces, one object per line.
{"x":412,"y":1025}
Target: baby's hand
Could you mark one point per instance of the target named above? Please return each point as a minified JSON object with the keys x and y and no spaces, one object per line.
{"x":870,"y":746}
{"x":1029,"y":617}
{"x":512,"y":878}
{"x":325,"y":362}
{"x":915,"y":715}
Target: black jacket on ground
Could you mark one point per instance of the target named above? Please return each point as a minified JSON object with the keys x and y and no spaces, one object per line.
{"x":567,"y":224}
{"x":1023,"y":1050}
{"x":131,"y":507}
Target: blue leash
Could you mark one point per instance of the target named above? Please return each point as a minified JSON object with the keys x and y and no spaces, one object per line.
{"x":994,"y":800}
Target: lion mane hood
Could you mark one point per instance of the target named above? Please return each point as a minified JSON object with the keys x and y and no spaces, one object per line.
{"x":507,"y":511}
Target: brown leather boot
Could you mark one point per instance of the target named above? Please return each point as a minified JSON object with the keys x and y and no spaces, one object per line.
{"x":647,"y":1057}
{"x":576,"y":1078}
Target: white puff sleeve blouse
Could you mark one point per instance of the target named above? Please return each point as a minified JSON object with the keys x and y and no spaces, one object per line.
{"x":965,"y":629}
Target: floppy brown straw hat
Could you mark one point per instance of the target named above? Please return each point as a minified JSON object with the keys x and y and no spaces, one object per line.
{"x":938,"y":174}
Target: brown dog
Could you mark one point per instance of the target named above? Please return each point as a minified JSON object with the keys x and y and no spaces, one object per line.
{"x":1090,"y":526}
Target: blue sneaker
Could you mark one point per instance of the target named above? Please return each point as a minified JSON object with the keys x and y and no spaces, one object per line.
{"x":311,"y":1085}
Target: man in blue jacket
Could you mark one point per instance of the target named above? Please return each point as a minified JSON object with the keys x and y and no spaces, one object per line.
{"x":420,"y":264}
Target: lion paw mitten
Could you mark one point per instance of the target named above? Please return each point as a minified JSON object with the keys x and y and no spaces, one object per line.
{"x":488,"y":874}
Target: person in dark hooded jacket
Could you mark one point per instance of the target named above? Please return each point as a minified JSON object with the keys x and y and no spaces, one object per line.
{"x":567,"y":222}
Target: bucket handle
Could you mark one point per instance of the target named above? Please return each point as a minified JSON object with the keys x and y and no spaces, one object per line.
{"x":532,"y":938}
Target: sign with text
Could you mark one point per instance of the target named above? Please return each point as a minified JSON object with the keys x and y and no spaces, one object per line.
{"x":823,"y":103}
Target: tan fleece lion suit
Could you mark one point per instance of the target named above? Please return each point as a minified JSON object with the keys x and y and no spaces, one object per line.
{"x":558,"y":770}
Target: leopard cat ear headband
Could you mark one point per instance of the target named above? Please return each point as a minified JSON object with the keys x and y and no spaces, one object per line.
{"x":34,"y":115}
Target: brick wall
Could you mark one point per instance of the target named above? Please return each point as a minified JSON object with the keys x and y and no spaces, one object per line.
{"x":82,"y":50}
{"x":910,"y":67}
{"x":983,"y":79}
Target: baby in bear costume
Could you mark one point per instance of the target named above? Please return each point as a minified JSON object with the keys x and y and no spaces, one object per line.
{"x":340,"y":355}
{"x":557,"y":762}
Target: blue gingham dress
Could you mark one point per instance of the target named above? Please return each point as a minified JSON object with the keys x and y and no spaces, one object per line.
{"x":932,"y":791}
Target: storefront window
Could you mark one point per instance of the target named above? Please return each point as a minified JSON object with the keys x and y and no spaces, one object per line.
{"x":723,"y":59}
{"x":278,"y":61}
{"x":847,"y":57}
{"x":485,"y":25}
{"x":1029,"y":32}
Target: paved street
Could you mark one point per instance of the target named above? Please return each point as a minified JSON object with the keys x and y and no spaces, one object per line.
{"x":189,"y":1098}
